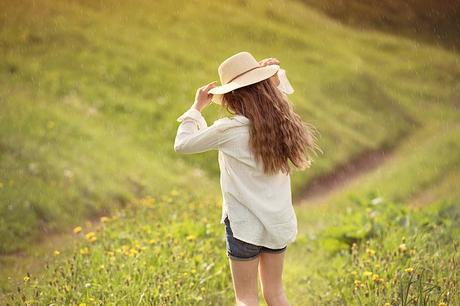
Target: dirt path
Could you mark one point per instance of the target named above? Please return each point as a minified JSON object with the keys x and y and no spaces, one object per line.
{"x":323,"y":186}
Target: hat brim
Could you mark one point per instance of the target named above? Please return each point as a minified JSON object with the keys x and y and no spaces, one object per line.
{"x":251,"y":77}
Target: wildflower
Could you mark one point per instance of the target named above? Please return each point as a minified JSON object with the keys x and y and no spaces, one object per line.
{"x":26,"y":278}
{"x":77,"y":230}
{"x":367,"y":273}
{"x":409,"y":270}
{"x":82,"y":304}
{"x":370,"y":252}
{"x":91,"y":236}
{"x":387,"y":304}
{"x":132,"y":252}
{"x":442,"y":304}
{"x":152,"y":241}
{"x":357,"y":282}
{"x":84,"y":251}
{"x":191,"y":237}
{"x":402,"y":247}
{"x":376,"y":278}
{"x":147,"y":201}
{"x":56,"y":253}
{"x":105,"y":219}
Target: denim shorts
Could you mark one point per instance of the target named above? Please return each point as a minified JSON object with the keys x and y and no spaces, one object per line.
{"x":241,"y":250}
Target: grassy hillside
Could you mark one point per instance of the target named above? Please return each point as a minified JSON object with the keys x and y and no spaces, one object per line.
{"x":89,"y":95}
{"x":435,"y":22}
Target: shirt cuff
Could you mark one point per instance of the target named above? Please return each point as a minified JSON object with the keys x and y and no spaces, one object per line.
{"x":194,"y":114}
{"x":284,"y":85}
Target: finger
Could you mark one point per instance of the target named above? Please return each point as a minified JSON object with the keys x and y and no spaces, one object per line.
{"x":210,"y":85}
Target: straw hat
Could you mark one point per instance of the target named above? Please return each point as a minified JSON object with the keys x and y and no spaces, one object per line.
{"x":240,"y":70}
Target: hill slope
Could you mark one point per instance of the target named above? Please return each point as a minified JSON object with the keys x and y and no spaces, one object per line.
{"x":90,"y":92}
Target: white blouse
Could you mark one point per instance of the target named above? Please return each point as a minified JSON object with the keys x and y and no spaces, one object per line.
{"x":258,"y":206}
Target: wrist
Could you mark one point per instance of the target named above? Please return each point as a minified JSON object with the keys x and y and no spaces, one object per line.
{"x":194,"y":106}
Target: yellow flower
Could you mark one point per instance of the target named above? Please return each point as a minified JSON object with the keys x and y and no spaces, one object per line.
{"x":442,"y":304}
{"x":376,"y":278}
{"x":409,"y":270}
{"x":402,"y":247}
{"x":77,"y":230}
{"x":370,"y":252}
{"x":387,"y":304}
{"x":191,"y":237}
{"x":367,"y":273}
{"x":147,"y":201}
{"x":132,"y":252}
{"x":84,"y":251}
{"x":91,"y":236}
{"x":26,"y":278}
{"x":56,"y":253}
{"x":82,"y":304}
{"x":357,"y":282}
{"x":105,"y":219}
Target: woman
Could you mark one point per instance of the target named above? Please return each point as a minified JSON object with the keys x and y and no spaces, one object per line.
{"x":254,"y":149}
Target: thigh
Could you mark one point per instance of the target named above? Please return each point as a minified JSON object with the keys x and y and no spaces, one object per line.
{"x":238,"y":249}
{"x":244,"y":278}
{"x":271,"y":270}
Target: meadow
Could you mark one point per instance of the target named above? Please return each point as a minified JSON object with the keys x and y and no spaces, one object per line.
{"x":89,"y":96}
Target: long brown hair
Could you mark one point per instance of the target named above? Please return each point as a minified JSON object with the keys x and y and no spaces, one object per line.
{"x":277,"y":134}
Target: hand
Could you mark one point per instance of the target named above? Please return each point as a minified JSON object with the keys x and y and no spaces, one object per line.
{"x":271,"y":61}
{"x":202,"y":97}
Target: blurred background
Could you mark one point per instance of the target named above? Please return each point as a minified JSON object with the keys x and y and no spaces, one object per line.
{"x":89,"y":96}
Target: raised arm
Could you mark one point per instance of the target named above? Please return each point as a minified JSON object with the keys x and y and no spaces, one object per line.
{"x":194,"y":136}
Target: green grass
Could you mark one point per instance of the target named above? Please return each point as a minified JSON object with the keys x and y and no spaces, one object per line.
{"x":154,"y":253}
{"x":360,"y":257}
{"x":89,"y":95}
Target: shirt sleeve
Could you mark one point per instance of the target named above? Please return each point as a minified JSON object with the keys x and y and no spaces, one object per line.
{"x":195,"y":136}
